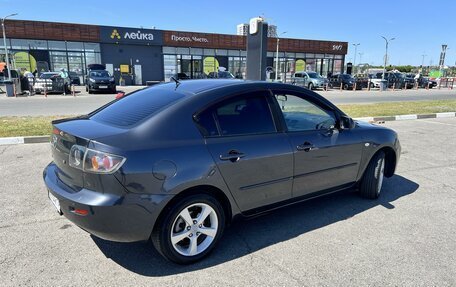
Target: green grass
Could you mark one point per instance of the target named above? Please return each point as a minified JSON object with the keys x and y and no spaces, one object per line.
{"x":398,"y":108}
{"x":26,"y":126}
{"x":38,"y":126}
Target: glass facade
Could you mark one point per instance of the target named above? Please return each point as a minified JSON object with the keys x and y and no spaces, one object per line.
{"x":197,"y":63}
{"x":43,"y":55}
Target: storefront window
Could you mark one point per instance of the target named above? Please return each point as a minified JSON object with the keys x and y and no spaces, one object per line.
{"x":236,"y":65}
{"x":92,"y":47}
{"x":58,"y":61}
{"x":57,"y":45}
{"x":92,"y":58}
{"x":170,"y":66}
{"x":37,"y":44}
{"x":310,"y":65}
{"x":337,"y":66}
{"x":209,"y":52}
{"x":75,"y":46}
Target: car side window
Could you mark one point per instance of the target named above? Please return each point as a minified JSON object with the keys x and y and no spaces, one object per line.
{"x":245,"y":115}
{"x":240,"y":115}
{"x":303,"y":115}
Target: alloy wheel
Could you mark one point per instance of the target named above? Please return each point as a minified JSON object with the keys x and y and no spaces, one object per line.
{"x":194,"y":229}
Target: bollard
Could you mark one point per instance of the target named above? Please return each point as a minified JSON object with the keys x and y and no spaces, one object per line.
{"x":427,"y":86}
{"x":354,"y":86}
{"x":73,"y":91}
{"x":341,"y":87}
{"x":368,"y":85}
{"x":327,"y":87}
{"x":394,"y":86}
{"x":45,"y":90}
{"x":14,"y":90}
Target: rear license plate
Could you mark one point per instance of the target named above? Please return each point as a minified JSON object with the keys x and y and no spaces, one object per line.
{"x":103,"y":87}
{"x":55,"y":202}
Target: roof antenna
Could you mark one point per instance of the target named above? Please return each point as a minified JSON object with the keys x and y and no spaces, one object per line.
{"x":176,"y":81}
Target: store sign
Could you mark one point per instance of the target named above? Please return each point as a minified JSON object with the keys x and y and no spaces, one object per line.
{"x":177,"y":38}
{"x":131,"y":36}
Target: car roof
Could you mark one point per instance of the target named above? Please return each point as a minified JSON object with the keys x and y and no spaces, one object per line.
{"x":198,"y":86}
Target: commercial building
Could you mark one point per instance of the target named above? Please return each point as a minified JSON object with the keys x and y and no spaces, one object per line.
{"x":138,"y":55}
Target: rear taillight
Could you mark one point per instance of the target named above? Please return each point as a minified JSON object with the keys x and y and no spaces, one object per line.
{"x":93,"y":161}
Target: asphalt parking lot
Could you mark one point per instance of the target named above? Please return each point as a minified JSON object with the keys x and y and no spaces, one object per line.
{"x":57,"y":104}
{"x":405,"y":238}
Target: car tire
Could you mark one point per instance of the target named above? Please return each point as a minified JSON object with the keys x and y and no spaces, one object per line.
{"x":190,"y":243}
{"x":371,"y":183}
{"x":346,"y":87}
{"x":311,"y":86}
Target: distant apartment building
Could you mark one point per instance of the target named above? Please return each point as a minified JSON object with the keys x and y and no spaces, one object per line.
{"x":243,"y":29}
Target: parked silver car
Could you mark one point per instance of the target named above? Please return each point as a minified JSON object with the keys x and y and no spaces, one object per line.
{"x":310,"y":80}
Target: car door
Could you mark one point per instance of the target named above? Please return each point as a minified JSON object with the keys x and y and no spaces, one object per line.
{"x":254,"y":159}
{"x":324,"y":156}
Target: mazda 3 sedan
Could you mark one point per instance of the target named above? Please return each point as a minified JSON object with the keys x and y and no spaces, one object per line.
{"x":176,"y":162}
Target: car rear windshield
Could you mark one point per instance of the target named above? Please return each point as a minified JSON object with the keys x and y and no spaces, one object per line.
{"x":132,"y":109}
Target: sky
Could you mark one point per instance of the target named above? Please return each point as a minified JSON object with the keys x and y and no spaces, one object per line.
{"x":419,"y":27}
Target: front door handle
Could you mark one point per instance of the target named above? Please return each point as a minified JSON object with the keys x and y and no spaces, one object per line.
{"x":232,"y":155}
{"x":306,"y":146}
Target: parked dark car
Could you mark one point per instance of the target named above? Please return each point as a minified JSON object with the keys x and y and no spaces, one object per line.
{"x":394,"y":80}
{"x":423,"y":81}
{"x":74,"y":78}
{"x":181,"y":76}
{"x":99,"y":80}
{"x":220,"y":75}
{"x":51,"y":82}
{"x":176,"y":162}
{"x":347,"y":81}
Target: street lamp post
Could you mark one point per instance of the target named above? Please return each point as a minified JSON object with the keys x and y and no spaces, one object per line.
{"x":422,"y":60}
{"x":4,"y":43}
{"x":386,"y":55}
{"x":354,"y":61}
{"x":277,"y":55}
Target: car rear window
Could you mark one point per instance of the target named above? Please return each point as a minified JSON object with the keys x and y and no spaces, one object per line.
{"x":132,"y":109}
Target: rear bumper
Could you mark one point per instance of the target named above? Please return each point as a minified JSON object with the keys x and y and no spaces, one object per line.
{"x":125,"y":218}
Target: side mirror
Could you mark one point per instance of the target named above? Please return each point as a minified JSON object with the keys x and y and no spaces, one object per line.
{"x":346,"y":123}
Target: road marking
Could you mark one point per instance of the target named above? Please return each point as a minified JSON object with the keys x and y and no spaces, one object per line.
{"x":435,"y":122}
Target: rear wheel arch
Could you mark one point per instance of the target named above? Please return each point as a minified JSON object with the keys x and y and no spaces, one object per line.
{"x":210,"y":190}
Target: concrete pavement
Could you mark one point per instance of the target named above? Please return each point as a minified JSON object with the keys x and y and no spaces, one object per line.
{"x":405,"y":238}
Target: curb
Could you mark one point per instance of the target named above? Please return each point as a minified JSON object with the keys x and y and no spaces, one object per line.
{"x":24,"y":140}
{"x":45,"y":139}
{"x":406,"y":117}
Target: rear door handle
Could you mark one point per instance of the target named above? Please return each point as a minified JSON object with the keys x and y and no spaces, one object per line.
{"x":232,"y":155}
{"x":306,"y":146}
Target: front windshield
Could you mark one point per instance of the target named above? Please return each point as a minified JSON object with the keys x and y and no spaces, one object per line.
{"x":313,"y":75}
{"x":99,"y":74}
{"x":47,"y":75}
{"x":225,"y":75}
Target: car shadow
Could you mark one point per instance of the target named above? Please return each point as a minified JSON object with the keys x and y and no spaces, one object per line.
{"x":248,"y":236}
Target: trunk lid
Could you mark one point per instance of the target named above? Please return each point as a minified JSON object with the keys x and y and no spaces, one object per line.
{"x":69,"y":132}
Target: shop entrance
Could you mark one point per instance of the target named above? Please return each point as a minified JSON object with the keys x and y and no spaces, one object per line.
{"x":192,"y":66}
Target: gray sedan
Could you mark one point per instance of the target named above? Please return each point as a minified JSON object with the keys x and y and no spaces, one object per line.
{"x":176,"y":162}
